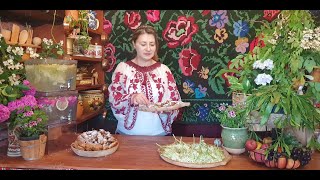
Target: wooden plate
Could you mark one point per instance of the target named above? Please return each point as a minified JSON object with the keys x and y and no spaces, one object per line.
{"x":156,"y":108}
{"x":95,"y":153}
{"x":195,"y":165}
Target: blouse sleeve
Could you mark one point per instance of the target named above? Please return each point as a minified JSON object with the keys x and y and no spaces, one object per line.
{"x":119,"y":98}
{"x":172,"y":94}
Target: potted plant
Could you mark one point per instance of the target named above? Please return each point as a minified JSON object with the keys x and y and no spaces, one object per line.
{"x":12,"y":88}
{"x":80,"y":30}
{"x":234,"y":127}
{"x":31,"y":121}
{"x":288,"y":86}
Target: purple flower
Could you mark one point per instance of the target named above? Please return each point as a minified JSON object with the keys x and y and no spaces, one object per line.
{"x":28,"y":114}
{"x":31,"y":91}
{"x":4,"y":113}
{"x":222,"y":108}
{"x":231,"y":114}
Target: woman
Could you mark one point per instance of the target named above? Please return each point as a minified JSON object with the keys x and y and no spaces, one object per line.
{"x":141,"y":81}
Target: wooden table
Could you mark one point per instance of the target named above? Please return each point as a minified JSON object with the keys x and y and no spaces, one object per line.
{"x":134,"y":152}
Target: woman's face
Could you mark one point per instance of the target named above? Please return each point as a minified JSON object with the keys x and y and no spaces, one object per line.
{"x":145,"y":46}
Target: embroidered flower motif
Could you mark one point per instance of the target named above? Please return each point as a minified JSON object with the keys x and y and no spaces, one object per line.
{"x":180,"y":32}
{"x":189,"y":61}
{"x":132,"y":19}
{"x":220,"y":35}
{"x":153,"y":15}
{"x":242,"y":45}
{"x":203,"y":73}
{"x":219,"y":19}
{"x":241,"y":28}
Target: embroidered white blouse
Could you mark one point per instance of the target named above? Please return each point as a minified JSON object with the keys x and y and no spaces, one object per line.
{"x":157,"y":83}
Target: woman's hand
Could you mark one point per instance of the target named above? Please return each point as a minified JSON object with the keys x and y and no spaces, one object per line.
{"x":139,"y":99}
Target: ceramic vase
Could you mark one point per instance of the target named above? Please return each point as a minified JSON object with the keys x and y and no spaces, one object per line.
{"x":234,"y":139}
{"x":13,"y":142}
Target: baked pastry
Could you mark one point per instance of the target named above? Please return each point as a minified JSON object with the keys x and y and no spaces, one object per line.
{"x":95,"y":140}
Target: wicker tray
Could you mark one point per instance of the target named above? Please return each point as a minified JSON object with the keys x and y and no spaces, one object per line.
{"x":95,"y":153}
{"x":158,"y":108}
{"x":202,"y":165}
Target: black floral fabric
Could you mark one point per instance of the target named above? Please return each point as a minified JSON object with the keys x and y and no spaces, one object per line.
{"x":194,"y":44}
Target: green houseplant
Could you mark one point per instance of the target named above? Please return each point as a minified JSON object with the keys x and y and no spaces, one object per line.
{"x":234,"y":127}
{"x":289,"y":87}
{"x":80,"y":25}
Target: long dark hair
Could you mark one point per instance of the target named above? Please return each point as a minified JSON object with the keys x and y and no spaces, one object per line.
{"x":146,"y":29}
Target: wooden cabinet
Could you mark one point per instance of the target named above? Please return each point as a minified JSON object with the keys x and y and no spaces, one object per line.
{"x":93,"y":65}
{"x":49,"y":24}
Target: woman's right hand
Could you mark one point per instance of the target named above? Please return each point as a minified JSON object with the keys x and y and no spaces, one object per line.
{"x":139,"y":99}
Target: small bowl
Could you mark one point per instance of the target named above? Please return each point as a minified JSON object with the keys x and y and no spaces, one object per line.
{"x":235,"y":151}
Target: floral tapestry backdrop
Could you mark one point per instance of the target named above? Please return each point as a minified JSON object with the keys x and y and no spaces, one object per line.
{"x":194,"y":44}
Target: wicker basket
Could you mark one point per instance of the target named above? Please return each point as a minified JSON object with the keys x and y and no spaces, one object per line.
{"x":258,"y":156}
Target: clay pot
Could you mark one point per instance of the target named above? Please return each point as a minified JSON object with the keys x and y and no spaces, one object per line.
{"x":36,"y":41}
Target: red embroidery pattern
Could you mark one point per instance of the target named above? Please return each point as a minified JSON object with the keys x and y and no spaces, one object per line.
{"x":141,"y":79}
{"x":174,"y":95}
{"x":135,"y":112}
{"x":167,"y":124}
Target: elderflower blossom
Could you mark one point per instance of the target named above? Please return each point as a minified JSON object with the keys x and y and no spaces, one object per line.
{"x":267,"y":64}
{"x":311,"y":39}
{"x":263,"y":79}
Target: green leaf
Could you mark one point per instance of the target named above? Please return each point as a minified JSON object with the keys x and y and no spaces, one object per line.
{"x":266,"y":114}
{"x":22,"y":87}
{"x":5,"y":93}
{"x":226,"y":71}
{"x":317,"y":86}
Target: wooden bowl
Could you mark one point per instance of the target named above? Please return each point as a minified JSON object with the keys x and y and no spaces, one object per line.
{"x":94,"y":153}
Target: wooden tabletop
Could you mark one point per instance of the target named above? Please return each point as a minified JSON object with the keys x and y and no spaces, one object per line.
{"x":134,"y":153}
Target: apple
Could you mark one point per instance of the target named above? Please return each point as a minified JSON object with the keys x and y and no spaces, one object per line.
{"x":251,"y":145}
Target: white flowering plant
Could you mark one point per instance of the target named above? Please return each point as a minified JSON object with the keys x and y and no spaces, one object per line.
{"x":12,"y":72}
{"x":277,"y":71}
{"x":50,"y":49}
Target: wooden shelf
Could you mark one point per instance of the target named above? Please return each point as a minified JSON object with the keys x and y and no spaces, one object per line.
{"x":87,"y":59}
{"x":24,"y":45}
{"x":88,"y":116}
{"x":86,"y":87}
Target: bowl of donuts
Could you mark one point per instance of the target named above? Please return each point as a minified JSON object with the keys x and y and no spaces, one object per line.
{"x":95,"y":143}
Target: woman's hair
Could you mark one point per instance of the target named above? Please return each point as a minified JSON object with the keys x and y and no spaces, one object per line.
{"x":146,"y":29}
